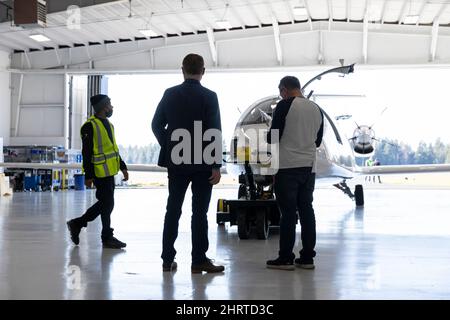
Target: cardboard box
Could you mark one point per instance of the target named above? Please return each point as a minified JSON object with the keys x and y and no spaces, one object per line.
{"x":5,"y":189}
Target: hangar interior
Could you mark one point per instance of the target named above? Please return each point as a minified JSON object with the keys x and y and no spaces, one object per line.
{"x":44,"y":90}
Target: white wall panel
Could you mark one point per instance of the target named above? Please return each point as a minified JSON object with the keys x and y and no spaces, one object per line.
{"x":300,"y":48}
{"x":41,"y":122}
{"x":386,"y":48}
{"x":342,"y":45}
{"x":43,"y":89}
{"x":5,"y":97}
{"x":247,"y":53}
{"x":172,"y":57}
{"x":40,"y":141}
{"x":138,"y":60}
{"x":16,"y":61}
{"x":443,"y":50}
{"x":38,"y":109}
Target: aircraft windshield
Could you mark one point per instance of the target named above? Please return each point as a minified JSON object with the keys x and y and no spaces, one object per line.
{"x":256,"y":115}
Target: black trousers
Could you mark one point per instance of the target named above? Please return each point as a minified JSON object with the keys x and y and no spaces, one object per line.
{"x":103,"y":207}
{"x":201,"y":195}
{"x":294,"y":189}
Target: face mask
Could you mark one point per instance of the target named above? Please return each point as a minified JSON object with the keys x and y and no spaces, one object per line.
{"x":109,"y":113}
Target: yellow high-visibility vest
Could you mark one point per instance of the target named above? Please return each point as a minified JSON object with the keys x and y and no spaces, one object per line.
{"x":105,"y":158}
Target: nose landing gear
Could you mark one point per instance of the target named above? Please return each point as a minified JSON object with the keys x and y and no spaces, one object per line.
{"x":358,"y":196}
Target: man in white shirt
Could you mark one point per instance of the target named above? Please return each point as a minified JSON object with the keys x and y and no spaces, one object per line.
{"x":300,"y":129}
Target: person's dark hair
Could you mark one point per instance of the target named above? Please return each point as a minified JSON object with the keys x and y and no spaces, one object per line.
{"x":193,"y":64}
{"x":290,"y":83}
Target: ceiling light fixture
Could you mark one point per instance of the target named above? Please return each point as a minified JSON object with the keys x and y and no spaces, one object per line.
{"x":148,"y":32}
{"x":39,"y":37}
{"x":223,"y":24}
{"x":300,"y":11}
{"x":411,"y":19}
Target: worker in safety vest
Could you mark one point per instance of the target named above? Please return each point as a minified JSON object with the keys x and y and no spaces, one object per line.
{"x":369,"y":163}
{"x":101,"y":162}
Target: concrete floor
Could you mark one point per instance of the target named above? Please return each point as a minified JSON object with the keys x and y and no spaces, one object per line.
{"x":397,"y":247}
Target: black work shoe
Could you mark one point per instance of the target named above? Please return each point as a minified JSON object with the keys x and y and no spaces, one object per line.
{"x":280,"y":264}
{"x":113,"y":243}
{"x":206,"y":266}
{"x":169,"y":266}
{"x":304,"y":263}
{"x":74,"y":230}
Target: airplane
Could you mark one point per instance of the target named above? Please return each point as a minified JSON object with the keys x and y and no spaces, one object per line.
{"x":250,"y":159}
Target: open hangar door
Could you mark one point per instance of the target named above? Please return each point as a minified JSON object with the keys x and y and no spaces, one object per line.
{"x":81,"y":88}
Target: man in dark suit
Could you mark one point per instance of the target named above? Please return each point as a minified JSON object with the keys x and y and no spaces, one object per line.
{"x":187,"y":124}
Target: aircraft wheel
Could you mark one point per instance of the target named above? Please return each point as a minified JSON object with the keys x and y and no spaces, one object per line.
{"x":359,"y":195}
{"x":221,"y":207}
{"x":243,"y":224}
{"x":262,"y":224}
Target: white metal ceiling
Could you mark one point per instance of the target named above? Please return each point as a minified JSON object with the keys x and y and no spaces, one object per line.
{"x":116,"y":22}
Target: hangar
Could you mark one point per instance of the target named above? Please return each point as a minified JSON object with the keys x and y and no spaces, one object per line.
{"x":54,"y":55}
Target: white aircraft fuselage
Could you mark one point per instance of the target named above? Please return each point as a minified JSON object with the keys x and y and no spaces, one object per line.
{"x":335,"y":157}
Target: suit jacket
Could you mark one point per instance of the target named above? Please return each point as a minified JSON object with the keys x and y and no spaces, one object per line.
{"x":179,"y":108}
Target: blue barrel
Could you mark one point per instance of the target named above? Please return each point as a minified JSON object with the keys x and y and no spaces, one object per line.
{"x":79,"y":182}
{"x":30,"y":183}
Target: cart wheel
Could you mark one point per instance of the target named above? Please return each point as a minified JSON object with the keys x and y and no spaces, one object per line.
{"x":243,"y":224}
{"x":221,"y":207}
{"x":262,"y":224}
{"x":242,"y":192}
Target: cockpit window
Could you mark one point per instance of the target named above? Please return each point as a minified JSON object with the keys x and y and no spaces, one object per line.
{"x":256,"y":116}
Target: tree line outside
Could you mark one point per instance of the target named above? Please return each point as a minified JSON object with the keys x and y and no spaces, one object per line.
{"x":393,"y":152}
{"x":145,"y":154}
{"x":387,"y":151}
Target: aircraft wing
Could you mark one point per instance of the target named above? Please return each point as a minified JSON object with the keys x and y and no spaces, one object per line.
{"x":401,"y":169}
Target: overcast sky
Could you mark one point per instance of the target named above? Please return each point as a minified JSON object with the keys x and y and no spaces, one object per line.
{"x":417,"y":100}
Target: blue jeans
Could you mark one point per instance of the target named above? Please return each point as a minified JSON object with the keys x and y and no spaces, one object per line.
{"x":294,"y":189}
{"x":201,"y":195}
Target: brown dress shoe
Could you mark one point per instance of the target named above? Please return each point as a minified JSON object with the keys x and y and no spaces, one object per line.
{"x":206,"y":266}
